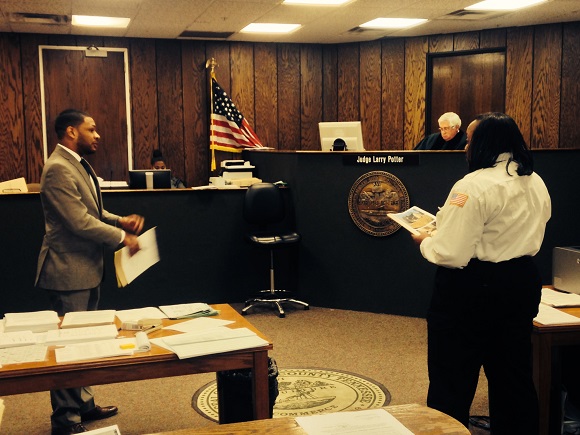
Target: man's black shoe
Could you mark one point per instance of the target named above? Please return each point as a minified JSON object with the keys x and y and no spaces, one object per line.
{"x":99,"y":413}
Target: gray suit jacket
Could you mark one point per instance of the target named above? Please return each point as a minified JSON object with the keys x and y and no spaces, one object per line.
{"x":71,"y":256}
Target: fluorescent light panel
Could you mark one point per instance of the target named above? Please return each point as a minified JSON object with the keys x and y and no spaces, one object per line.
{"x":393,"y":23}
{"x":269,"y":28}
{"x":503,"y":5}
{"x":316,"y":2}
{"x":94,"y":21}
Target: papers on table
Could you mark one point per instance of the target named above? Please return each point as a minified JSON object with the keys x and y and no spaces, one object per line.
{"x":369,"y":422}
{"x":137,"y":314}
{"x":548,"y":315}
{"x":92,"y":350}
{"x":36,"y":321}
{"x":84,"y":334}
{"x":556,"y":298}
{"x":76,"y":319}
{"x":129,"y":267}
{"x":103,"y":348}
{"x":18,"y":338}
{"x":23,"y":354}
{"x":184,"y":311}
{"x":18,"y":185}
{"x":216,"y":340}
{"x":200,"y":324}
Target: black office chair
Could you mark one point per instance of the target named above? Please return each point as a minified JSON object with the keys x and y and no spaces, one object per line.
{"x":263,"y":209}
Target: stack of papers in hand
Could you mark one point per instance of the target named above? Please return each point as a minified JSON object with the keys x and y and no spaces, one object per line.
{"x":36,"y":321}
{"x":185,"y":311}
{"x":79,"y":335}
{"x":128,"y":267}
{"x":74,"y":319}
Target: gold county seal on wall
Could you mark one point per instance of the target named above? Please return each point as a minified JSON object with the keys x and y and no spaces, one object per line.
{"x":374,"y":195}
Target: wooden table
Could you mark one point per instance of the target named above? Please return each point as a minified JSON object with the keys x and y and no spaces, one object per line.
{"x":546,"y":342}
{"x":419,"y":419}
{"x":157,"y":363}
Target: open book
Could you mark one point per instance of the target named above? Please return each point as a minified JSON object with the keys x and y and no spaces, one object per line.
{"x":415,"y":220}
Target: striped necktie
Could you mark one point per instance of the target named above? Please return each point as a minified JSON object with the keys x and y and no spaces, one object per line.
{"x":93,"y":176}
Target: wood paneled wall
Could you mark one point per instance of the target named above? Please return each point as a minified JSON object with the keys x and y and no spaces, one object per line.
{"x":284,"y":90}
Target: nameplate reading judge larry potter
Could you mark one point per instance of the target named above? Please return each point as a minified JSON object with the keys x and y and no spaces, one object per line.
{"x":382,"y":159}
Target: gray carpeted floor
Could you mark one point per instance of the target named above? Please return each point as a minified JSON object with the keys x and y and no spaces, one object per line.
{"x":388,"y":349}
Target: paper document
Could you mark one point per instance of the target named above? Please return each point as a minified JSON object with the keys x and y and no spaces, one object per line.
{"x":415,"y":220}
{"x":137,"y":314}
{"x":183,"y":311}
{"x":93,"y":350}
{"x":129,"y":267}
{"x":556,"y":298}
{"x":548,"y":315}
{"x":200,"y":324}
{"x":79,"y":335}
{"x":74,"y":319}
{"x":36,"y":321}
{"x":225,"y":340}
{"x":368,"y":422}
{"x":23,"y":354}
{"x":18,"y":185}
{"x":109,"y":430}
{"x":18,"y":338}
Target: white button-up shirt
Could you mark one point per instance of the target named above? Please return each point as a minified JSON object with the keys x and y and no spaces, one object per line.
{"x":490,"y":215}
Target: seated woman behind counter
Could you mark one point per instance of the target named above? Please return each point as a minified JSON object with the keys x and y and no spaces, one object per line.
{"x":157,"y":163}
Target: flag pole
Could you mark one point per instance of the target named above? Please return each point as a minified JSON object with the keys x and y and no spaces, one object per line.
{"x":211,"y":63}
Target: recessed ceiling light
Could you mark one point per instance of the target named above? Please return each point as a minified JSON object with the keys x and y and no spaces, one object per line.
{"x":316,"y":2}
{"x":393,"y":23}
{"x":93,"y":21}
{"x":269,"y":28}
{"x":503,"y":5}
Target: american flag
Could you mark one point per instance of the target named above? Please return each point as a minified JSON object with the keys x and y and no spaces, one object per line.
{"x":458,"y":199}
{"x":229,"y":130}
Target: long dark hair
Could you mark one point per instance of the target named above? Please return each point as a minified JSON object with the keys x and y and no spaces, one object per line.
{"x":498,"y":133}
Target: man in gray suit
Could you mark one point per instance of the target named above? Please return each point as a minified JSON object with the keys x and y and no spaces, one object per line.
{"x":70,"y":264}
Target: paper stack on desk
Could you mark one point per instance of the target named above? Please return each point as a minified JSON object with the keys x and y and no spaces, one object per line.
{"x":75,"y":319}
{"x":36,"y":321}
{"x":556,"y":298}
{"x":548,"y":315}
{"x":78,"y":335}
{"x":185,"y":311}
{"x":216,"y":340}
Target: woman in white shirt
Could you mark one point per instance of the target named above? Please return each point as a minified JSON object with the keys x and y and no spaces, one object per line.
{"x":487,"y":288}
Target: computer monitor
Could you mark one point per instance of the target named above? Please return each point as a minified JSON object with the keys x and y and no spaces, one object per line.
{"x":349,"y":131}
{"x":161,"y":178}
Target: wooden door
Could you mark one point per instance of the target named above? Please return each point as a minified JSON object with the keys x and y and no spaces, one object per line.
{"x":467,"y":84}
{"x":97,"y":85}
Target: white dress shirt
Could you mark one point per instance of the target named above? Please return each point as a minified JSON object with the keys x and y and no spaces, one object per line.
{"x":490,"y":215}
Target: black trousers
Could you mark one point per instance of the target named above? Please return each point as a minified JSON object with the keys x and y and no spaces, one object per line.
{"x":481,"y":316}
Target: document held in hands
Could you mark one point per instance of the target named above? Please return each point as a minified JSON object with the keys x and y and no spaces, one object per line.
{"x":415,"y":220}
{"x":129,"y":267}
